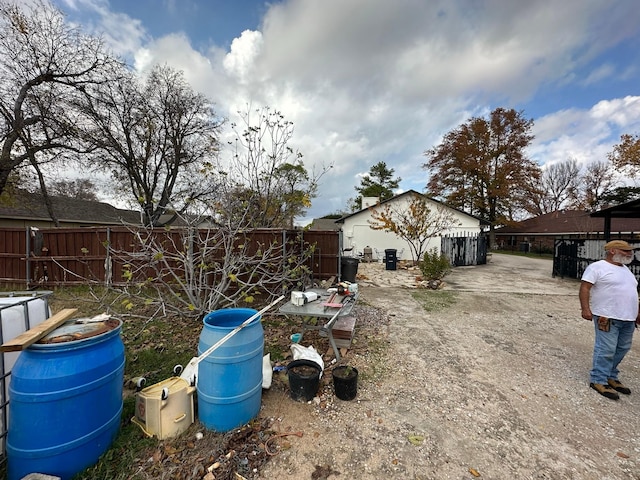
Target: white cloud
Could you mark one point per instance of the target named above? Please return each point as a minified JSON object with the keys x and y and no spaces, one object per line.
{"x":623,"y":112}
{"x":376,"y":80}
{"x":586,"y":135}
{"x":240,"y":61}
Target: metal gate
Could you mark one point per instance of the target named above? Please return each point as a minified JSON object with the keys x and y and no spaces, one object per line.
{"x":572,"y":256}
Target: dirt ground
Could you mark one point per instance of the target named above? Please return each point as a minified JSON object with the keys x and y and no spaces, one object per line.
{"x":493,"y":387}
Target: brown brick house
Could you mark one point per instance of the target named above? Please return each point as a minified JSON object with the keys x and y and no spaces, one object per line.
{"x":539,"y":233}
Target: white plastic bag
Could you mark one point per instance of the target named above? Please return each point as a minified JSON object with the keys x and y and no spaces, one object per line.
{"x":307,"y":353}
{"x":267,"y":371}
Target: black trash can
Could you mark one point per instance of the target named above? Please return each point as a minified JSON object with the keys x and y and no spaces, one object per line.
{"x":390,"y":259}
{"x":349,"y":267}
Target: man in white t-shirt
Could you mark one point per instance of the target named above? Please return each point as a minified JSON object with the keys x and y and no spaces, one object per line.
{"x":609,"y":296}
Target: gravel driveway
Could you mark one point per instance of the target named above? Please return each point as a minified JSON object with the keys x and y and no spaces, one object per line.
{"x":494,"y":386}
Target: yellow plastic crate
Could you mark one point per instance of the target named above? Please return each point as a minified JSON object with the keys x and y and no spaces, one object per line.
{"x":165,"y":409}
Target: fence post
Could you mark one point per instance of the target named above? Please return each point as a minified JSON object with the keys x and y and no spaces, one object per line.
{"x":27,"y":259}
{"x":108,"y":268}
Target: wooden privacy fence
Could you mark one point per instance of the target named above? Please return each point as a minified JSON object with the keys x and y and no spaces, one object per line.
{"x":465,"y":249}
{"x":76,"y":256}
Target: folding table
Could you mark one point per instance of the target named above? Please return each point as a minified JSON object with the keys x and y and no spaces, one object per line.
{"x":316,"y":310}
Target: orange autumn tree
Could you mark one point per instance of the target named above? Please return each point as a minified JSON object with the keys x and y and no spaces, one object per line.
{"x":416,"y":221}
{"x":482,"y":167}
{"x":626,"y":155}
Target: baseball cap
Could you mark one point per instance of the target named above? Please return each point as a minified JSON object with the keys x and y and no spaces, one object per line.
{"x":619,"y":244}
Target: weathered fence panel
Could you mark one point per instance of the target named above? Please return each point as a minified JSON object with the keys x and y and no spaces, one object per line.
{"x":572,"y":256}
{"x":465,"y":249}
{"x":73,"y":256}
{"x":13,"y":248}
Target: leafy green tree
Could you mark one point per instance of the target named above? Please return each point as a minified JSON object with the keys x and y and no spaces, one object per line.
{"x":482,"y":167}
{"x":621,"y":195}
{"x":379,"y":182}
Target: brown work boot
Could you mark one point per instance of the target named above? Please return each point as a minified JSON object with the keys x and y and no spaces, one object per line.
{"x":605,"y":391}
{"x":618,"y":386}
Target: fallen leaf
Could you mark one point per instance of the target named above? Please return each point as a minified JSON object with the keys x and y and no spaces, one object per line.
{"x":169,"y":450}
{"x":157,"y":456}
{"x":416,"y":439}
{"x":622,"y":455}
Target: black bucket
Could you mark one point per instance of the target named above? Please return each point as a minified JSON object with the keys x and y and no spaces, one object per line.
{"x":345,"y":382}
{"x":304,"y":379}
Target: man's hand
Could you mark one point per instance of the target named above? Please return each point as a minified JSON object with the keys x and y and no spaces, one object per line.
{"x":583,"y":295}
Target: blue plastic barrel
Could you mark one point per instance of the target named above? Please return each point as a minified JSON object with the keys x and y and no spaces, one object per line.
{"x":65,"y":400}
{"x":230,"y":378}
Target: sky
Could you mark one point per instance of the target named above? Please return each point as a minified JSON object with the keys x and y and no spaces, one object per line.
{"x":366,"y":81}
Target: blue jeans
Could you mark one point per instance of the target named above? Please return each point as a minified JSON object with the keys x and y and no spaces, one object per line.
{"x":610,"y":348}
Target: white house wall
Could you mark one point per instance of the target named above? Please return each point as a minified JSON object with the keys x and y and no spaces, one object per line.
{"x":358,"y":234}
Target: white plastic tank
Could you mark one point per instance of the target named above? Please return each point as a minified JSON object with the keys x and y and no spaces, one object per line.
{"x":19,"y":311}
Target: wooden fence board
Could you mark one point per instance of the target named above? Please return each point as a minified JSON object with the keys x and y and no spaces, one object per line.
{"x":71,"y":256}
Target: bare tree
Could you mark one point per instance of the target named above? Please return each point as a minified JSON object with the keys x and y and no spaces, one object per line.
{"x":44,"y":64}
{"x":194,"y":270}
{"x":556,"y":188}
{"x":80,"y":188}
{"x":158,"y":140}
{"x":267,"y":172}
{"x":598,"y":181}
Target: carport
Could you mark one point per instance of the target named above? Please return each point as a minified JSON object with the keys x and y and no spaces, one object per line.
{"x":624,"y":210}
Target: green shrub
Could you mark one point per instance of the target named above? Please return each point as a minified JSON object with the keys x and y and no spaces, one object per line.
{"x":434,"y":266}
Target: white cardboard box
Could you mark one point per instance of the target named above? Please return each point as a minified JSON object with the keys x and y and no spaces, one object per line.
{"x":300,"y":298}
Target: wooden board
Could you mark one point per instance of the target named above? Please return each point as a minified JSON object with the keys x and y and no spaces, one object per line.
{"x":34,"y":334}
{"x":342,"y":331}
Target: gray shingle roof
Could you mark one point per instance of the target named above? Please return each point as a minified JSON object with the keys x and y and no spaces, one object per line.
{"x":324,"y":224}
{"x":31,"y":206}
